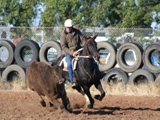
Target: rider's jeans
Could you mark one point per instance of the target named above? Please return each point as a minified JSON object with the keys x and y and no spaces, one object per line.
{"x":69,"y":65}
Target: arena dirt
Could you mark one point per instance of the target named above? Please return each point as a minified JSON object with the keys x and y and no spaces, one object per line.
{"x":120,"y":103}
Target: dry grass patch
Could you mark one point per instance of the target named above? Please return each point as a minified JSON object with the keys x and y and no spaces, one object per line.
{"x":16,"y":84}
{"x":112,"y":89}
{"x":133,"y":90}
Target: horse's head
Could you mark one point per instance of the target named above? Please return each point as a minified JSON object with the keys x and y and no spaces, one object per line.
{"x":91,"y":48}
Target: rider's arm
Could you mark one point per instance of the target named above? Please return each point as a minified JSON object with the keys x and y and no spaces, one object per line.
{"x":64,"y":45}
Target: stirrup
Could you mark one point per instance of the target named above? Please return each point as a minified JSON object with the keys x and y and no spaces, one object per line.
{"x":74,"y":84}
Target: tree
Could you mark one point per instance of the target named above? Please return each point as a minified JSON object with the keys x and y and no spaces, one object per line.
{"x":138,"y":14}
{"x":84,"y":12}
{"x":57,"y":11}
{"x":156,"y":10}
{"x":18,"y":14}
{"x":93,"y":13}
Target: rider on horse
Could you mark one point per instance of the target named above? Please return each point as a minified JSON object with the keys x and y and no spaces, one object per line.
{"x":71,"y":40}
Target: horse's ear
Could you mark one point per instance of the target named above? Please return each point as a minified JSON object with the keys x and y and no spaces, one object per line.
{"x":94,"y":37}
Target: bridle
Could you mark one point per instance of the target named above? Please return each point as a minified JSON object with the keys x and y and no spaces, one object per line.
{"x":86,"y":45}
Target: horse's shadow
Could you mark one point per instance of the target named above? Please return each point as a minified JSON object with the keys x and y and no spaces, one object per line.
{"x":109,"y":110}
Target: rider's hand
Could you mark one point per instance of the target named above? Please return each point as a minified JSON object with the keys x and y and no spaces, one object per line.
{"x":74,"y":54}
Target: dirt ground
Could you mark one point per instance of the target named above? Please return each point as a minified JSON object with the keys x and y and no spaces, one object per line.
{"x":25,"y":105}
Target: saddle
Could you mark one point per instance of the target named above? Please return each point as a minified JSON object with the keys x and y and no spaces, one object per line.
{"x":74,"y":61}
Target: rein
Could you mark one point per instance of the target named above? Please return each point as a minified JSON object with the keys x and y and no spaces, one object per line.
{"x":87,"y":56}
{"x":78,"y":51}
{"x":89,"y":39}
{"x":87,"y":50}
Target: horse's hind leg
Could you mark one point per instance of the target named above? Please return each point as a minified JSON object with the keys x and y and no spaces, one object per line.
{"x":99,"y":87}
{"x":78,"y":88}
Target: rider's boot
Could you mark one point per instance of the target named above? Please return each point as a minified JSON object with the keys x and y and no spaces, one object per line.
{"x":74,"y":83}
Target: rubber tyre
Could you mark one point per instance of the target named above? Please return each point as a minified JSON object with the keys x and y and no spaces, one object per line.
{"x":150,"y":76}
{"x":112,"y":50}
{"x":10,"y":47}
{"x":12,"y":68}
{"x":18,"y":52}
{"x":121,"y":60}
{"x":157,"y":80}
{"x":116,"y":71}
{"x":146,"y":57}
{"x":1,"y":71}
{"x":45,"y":47}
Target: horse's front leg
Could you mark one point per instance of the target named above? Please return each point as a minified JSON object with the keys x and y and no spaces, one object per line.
{"x":98,"y":85}
{"x":86,"y":90}
{"x":78,"y":88}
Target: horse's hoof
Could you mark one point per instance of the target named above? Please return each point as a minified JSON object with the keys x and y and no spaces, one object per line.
{"x":75,"y":86}
{"x":102,"y":96}
{"x":69,"y":109}
{"x":43,"y":103}
{"x":90,"y":106}
{"x":97,"y":97}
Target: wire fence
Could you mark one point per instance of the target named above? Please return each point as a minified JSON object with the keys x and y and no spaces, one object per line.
{"x":142,"y":36}
{"x":119,"y":35}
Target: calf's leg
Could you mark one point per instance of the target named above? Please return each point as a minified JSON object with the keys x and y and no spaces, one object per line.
{"x":43,"y":103}
{"x":57,"y":104}
{"x":64,"y":98}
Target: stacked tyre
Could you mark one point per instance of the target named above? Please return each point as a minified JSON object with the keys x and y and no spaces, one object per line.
{"x":128,"y":73}
{"x":112,"y":59}
{"x":21,"y":56}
